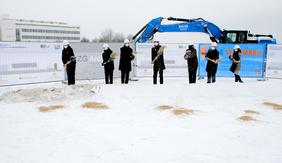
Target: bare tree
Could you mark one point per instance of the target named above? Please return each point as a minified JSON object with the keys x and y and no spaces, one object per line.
{"x":84,"y":39}
{"x":129,"y":37}
{"x":106,"y":36}
{"x":95,"y":40}
{"x":118,"y":37}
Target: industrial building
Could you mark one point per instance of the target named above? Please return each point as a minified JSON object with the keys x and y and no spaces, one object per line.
{"x":37,"y":31}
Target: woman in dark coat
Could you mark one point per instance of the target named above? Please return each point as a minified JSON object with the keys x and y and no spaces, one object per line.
{"x":192,"y":61}
{"x":126,"y":56}
{"x":212,"y":60}
{"x":108,"y":64}
{"x":236,"y":63}
{"x":69,"y":62}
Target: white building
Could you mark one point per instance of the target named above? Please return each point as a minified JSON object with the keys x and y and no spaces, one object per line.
{"x":37,"y":31}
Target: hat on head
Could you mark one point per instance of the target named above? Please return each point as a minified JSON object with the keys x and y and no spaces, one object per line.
{"x":105,"y":46}
{"x":65,"y":42}
{"x":126,"y":41}
{"x":237,"y":47}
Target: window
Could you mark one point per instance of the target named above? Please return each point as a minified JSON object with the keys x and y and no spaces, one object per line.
{"x":231,"y":38}
{"x":18,"y":36}
{"x":241,"y":37}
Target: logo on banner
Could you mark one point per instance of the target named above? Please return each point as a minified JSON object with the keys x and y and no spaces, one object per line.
{"x":3,"y":45}
{"x":44,"y":46}
{"x":57,"y":47}
{"x":183,"y":27}
{"x":228,"y":51}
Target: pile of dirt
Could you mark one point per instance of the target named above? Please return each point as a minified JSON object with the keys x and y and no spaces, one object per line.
{"x":164,"y":107}
{"x":50,"y":108}
{"x":248,"y":115}
{"x":182,"y":111}
{"x":246,"y":118}
{"x":94,"y":105}
{"x":273,"y":105}
{"x":49,"y":94}
{"x":178,"y":111}
{"x":251,"y":112}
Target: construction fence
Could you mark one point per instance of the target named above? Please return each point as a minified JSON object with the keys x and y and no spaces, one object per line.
{"x":27,"y":62}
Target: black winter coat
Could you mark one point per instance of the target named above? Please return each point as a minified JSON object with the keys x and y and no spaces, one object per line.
{"x":159,"y":63}
{"x":236,"y":55}
{"x":192,"y":60}
{"x":126,"y":57}
{"x":107,"y":60}
{"x":235,"y":58}
{"x":211,"y":66}
{"x":68,"y":55}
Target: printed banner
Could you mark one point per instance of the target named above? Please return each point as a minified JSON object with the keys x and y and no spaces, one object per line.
{"x":22,"y":62}
{"x":274,"y":61}
{"x":252,"y":60}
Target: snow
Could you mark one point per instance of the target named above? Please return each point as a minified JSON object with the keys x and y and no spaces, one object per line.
{"x":133,"y":130}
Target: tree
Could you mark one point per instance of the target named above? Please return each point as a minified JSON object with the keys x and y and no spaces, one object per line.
{"x":118,"y":37}
{"x":95,"y":40}
{"x":129,"y":37}
{"x":106,"y":35}
{"x":84,"y":39}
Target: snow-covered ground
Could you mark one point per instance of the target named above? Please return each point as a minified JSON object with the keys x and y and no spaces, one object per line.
{"x":134,"y":130}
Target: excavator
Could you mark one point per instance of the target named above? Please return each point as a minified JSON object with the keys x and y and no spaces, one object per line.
{"x":203,"y":26}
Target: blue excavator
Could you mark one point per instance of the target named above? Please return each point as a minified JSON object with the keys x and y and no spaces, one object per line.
{"x":203,"y":26}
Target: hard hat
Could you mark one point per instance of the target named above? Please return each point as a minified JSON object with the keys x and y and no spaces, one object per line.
{"x":105,"y":46}
{"x":237,"y":47}
{"x":65,"y":42}
{"x":126,"y":41}
{"x":214,"y":44}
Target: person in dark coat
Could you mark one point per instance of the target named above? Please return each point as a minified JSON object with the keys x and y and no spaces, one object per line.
{"x":158,"y":61}
{"x":126,"y":56}
{"x":69,"y":62}
{"x":108,"y":64}
{"x":212,"y":60}
{"x":192,"y":61}
{"x":236,"y":63}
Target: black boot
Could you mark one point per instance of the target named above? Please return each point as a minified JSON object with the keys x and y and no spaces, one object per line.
{"x":236,"y":78}
{"x":239,"y":79}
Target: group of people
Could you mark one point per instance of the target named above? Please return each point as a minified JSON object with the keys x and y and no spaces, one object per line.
{"x":157,"y":59}
{"x":213,"y":59}
{"x":126,"y":57}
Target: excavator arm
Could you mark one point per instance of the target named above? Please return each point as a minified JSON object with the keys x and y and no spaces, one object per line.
{"x":186,"y":25}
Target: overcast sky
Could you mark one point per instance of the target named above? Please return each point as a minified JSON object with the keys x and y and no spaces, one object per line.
{"x":129,"y":16}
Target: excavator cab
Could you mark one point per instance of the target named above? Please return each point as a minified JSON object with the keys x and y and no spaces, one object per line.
{"x":234,"y":37}
{"x":243,"y":37}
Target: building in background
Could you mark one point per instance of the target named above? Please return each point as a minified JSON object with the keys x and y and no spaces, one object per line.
{"x":37,"y":31}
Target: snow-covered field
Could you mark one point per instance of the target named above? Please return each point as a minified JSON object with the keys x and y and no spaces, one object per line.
{"x":134,"y":130}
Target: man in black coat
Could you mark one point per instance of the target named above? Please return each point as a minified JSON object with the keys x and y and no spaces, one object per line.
{"x":69,"y":62}
{"x":126,"y":56}
{"x":158,"y":61}
{"x":212,"y":60}
{"x":192,"y":61}
{"x":108,"y":64}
